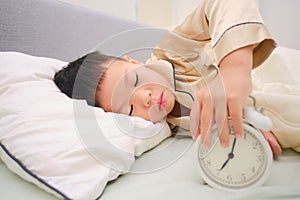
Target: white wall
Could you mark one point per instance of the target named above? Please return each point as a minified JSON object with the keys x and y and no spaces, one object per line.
{"x":155,"y":12}
{"x":282,"y":19}
{"x":181,"y":8}
{"x":122,"y":8}
{"x":164,"y":13}
{"x":280,"y":16}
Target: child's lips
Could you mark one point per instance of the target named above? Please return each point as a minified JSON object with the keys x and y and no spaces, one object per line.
{"x":162,"y":101}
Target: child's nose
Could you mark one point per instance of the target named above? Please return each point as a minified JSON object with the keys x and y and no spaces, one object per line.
{"x":145,"y":98}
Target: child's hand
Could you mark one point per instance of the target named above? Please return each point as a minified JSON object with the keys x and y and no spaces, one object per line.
{"x":209,"y":107}
{"x":224,"y":96}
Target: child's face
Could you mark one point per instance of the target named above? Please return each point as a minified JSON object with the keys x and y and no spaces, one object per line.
{"x":131,"y":88}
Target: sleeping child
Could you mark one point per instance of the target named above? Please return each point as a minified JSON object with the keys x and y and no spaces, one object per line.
{"x":200,"y":74}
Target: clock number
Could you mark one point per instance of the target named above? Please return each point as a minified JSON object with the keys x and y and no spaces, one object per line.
{"x":259,"y":158}
{"x":208,"y":163}
{"x":245,"y":136}
{"x":254,"y":145}
{"x":229,"y":177}
{"x":243,"y":177}
{"x":253,"y":169}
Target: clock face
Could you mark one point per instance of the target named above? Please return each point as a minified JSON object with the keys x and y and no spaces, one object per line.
{"x":245,"y":163}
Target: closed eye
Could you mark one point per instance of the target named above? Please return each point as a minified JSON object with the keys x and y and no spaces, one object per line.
{"x":131,"y":110}
{"x":135,"y":84}
{"x":136,"y":79}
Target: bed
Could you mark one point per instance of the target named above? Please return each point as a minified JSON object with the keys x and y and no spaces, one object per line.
{"x":54,"y":29}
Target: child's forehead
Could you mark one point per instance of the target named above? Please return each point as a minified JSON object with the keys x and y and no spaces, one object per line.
{"x":115,"y":70}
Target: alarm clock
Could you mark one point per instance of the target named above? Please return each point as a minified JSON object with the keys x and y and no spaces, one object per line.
{"x":245,"y":163}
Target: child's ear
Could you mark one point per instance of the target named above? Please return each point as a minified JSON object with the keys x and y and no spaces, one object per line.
{"x":127,"y":58}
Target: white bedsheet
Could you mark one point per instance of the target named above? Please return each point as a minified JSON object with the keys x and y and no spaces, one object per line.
{"x":182,"y":181}
{"x":177,"y":181}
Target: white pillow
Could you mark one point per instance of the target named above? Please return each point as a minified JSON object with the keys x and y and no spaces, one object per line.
{"x":63,"y":145}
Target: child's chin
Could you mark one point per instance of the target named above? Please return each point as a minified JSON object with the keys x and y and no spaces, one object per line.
{"x":155,"y":119}
{"x":156,"y":115}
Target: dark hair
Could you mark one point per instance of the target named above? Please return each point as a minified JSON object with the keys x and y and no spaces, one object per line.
{"x":82,"y":77}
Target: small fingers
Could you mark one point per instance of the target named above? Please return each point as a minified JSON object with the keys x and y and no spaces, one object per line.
{"x":206,"y":119}
{"x":275,"y":146}
{"x":223,"y":129}
{"x":236,"y":113}
{"x":221,"y":118}
{"x":195,"y":120}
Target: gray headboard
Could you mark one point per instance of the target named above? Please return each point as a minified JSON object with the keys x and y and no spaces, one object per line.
{"x":60,"y":30}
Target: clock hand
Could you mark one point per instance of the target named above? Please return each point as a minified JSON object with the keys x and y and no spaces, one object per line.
{"x":224,"y":164}
{"x":233,"y":145}
{"x":230,"y":155}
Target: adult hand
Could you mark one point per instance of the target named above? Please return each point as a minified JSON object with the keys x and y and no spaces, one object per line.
{"x":224,"y":96}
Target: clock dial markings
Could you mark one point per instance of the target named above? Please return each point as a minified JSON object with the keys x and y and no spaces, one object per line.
{"x":230,"y":155}
{"x":241,"y":170}
{"x":246,"y":164}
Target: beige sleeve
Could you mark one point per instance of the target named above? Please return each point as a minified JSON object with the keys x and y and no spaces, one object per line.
{"x":224,"y":26}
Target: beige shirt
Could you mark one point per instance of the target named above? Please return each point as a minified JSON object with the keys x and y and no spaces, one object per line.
{"x":196,"y":46}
